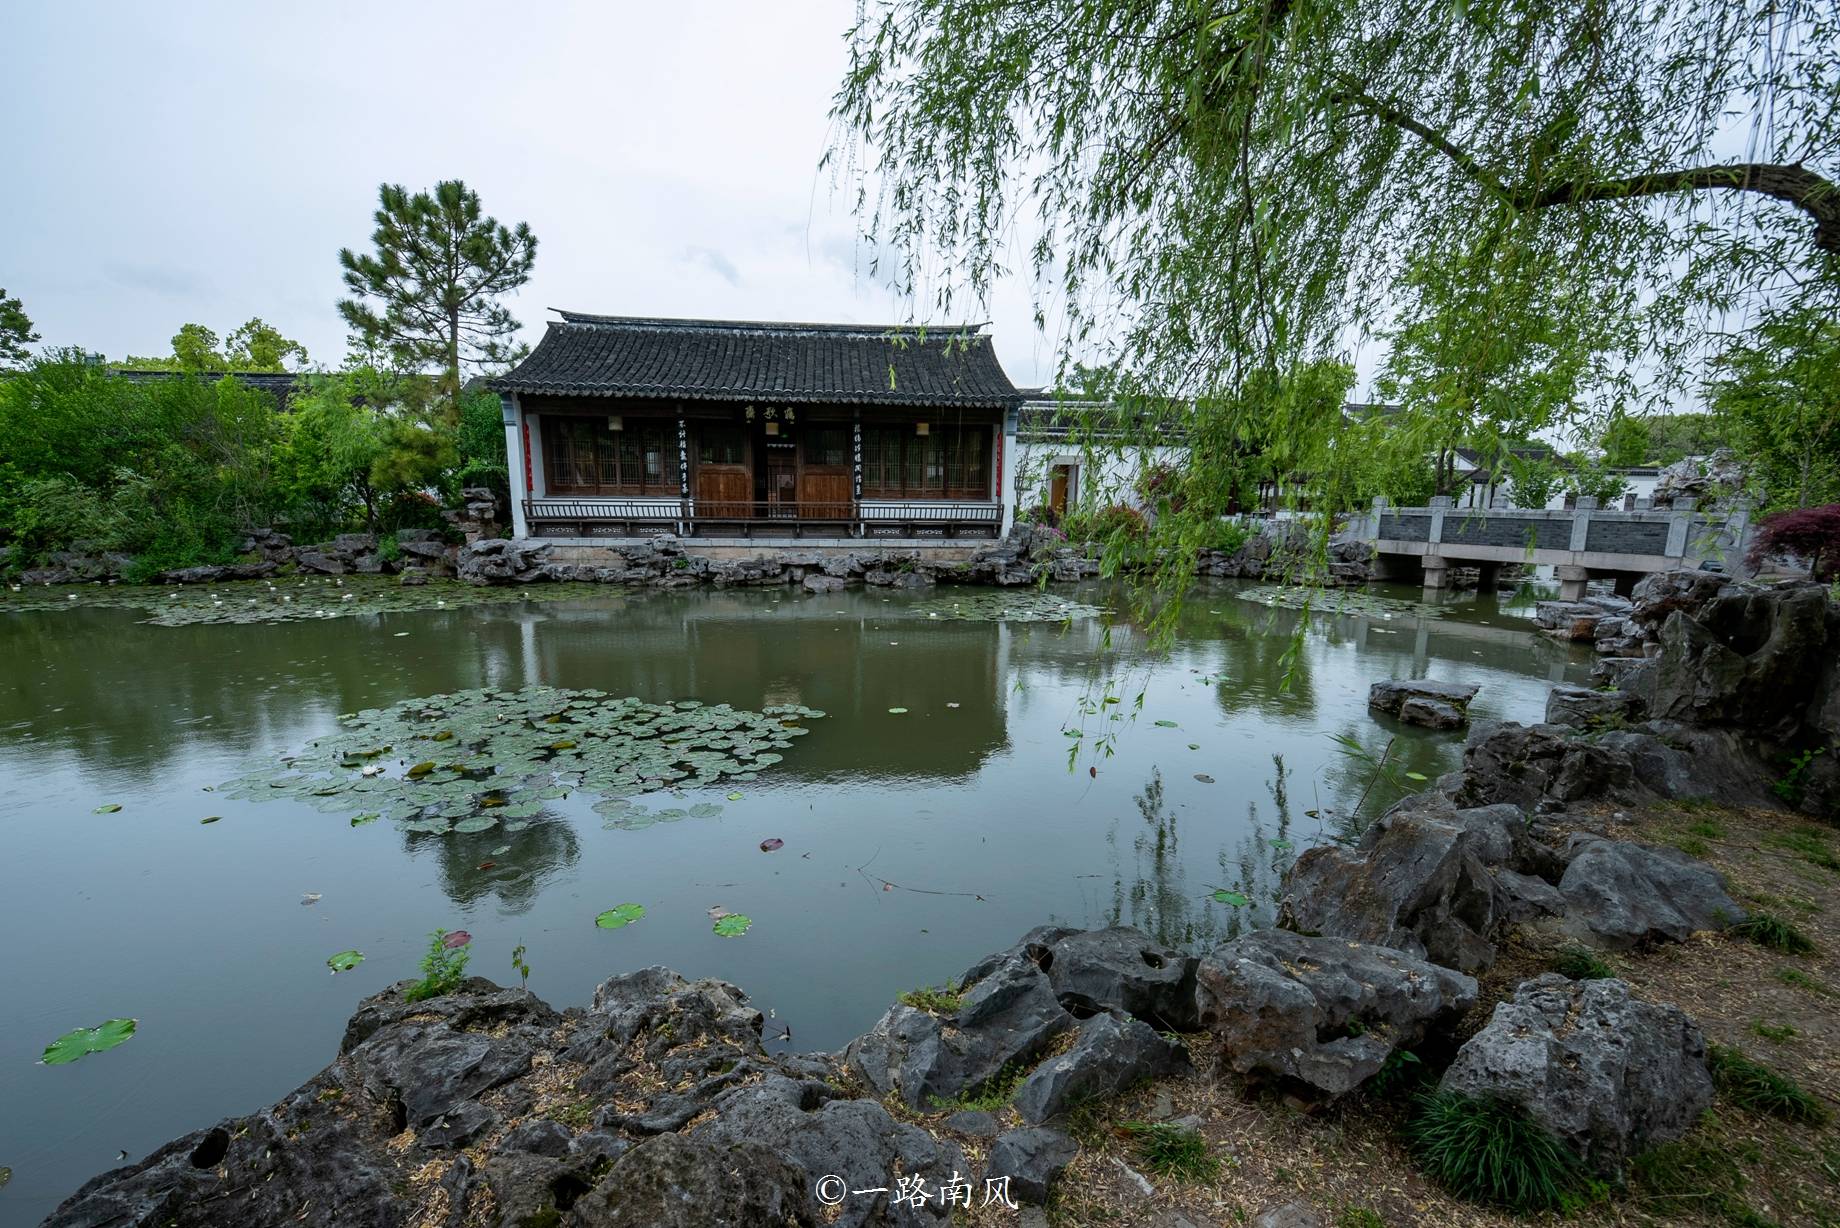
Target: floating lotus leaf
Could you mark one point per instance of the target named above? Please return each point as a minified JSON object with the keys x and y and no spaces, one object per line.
{"x":107,"y":808}
{"x":1167,"y":724}
{"x":620,"y":916}
{"x":85,"y":1041}
{"x":1007,"y":606}
{"x":289,"y":599}
{"x":733,"y":925}
{"x":460,"y":762}
{"x":1336,"y":601}
{"x":705,"y":810}
{"x":345,"y":961}
{"x":1231,"y":898}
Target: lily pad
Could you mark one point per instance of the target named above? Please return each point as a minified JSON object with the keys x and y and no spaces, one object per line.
{"x":107,"y":808}
{"x":771,"y":844}
{"x":1167,"y":724}
{"x":211,"y":818}
{"x":1204,"y":778}
{"x":620,"y":916}
{"x":345,"y":961}
{"x":1233,"y":898}
{"x":454,"y":939}
{"x":362,"y":819}
{"x":507,"y":752}
{"x":734,"y":797}
{"x":897,"y":711}
{"x":1027,"y":606}
{"x":733,"y":925}
{"x":477,"y":823}
{"x":85,"y":1041}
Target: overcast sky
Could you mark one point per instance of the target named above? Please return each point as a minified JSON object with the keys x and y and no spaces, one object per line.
{"x":205,"y":162}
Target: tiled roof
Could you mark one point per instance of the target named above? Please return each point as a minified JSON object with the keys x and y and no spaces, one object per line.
{"x":740,"y":360}
{"x":278,"y":384}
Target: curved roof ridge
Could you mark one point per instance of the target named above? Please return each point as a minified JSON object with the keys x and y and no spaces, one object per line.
{"x":691,"y":324}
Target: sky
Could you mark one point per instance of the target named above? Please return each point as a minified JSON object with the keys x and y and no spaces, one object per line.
{"x":205,"y":162}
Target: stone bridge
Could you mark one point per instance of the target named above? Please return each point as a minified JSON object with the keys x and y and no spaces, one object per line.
{"x":1580,"y":543}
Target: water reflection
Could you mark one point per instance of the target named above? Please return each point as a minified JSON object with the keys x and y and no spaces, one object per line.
{"x":510,"y":867}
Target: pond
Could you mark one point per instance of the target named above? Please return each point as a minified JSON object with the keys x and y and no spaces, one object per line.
{"x":941,"y":776}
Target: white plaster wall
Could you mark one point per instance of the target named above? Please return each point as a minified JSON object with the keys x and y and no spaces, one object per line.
{"x":1106,"y":476}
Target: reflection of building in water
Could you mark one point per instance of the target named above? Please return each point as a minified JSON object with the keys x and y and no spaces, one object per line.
{"x":852,"y":655}
{"x":472,"y":868}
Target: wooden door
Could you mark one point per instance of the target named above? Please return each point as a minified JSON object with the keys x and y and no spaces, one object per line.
{"x":724,"y":472}
{"x":782,"y":481}
{"x":1059,"y":479}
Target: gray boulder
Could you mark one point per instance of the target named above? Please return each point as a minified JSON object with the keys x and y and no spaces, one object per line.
{"x":675,"y":1182}
{"x":1421,"y":886}
{"x":1431,"y":713}
{"x":1759,"y":658}
{"x":1032,"y":1158}
{"x":1288,"y":1215}
{"x":1112,"y":1053}
{"x":857,"y":1140}
{"x":1609,"y":1074}
{"x":1322,"y":1012}
{"x":818,"y":582}
{"x":1523,"y":764}
{"x":1586,"y":708}
{"x":1620,"y":894}
{"x":1123,"y":969}
{"x":1008,"y":1015}
{"x":1441,"y":705}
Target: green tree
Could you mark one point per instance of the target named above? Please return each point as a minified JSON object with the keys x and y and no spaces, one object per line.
{"x":1474,"y":367}
{"x":16,"y":332}
{"x":1779,"y":397}
{"x":1220,"y":190}
{"x":1591,"y":477}
{"x":329,"y":442}
{"x":1661,"y":439}
{"x":255,"y":346}
{"x":428,"y":293}
{"x":258,"y":346}
{"x":1535,"y":480}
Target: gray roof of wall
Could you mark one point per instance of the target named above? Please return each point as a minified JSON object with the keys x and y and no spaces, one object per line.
{"x":751,"y":360}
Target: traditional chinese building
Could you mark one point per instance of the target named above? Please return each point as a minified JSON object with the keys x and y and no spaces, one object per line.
{"x":620,"y":426}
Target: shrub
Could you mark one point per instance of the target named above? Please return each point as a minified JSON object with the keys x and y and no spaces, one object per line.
{"x":1582,"y":964}
{"x":1812,"y":533}
{"x":1169,"y":1150}
{"x":443,"y":968}
{"x":1768,"y":930}
{"x":1114,"y":522}
{"x":1226,"y":536}
{"x":1489,"y":1151}
{"x":1752,"y":1085}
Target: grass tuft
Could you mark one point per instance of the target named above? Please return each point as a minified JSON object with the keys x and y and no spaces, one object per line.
{"x":1751,"y":1085}
{"x":1688,"y":1176}
{"x":1769,"y":930}
{"x":1808,"y":843}
{"x":1801,"y":980}
{"x":938,"y":1000}
{"x":1489,"y":1151}
{"x":991,"y":1095}
{"x":1359,"y":1217}
{"x":1777,"y":1032}
{"x":1172,"y":1151}
{"x":1581,"y":963}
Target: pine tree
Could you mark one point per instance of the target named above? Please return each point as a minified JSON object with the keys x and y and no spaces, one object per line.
{"x":429,"y":294}
{"x":15,"y":331}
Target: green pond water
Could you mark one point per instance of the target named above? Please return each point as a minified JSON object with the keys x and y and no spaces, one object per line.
{"x":912,"y":755}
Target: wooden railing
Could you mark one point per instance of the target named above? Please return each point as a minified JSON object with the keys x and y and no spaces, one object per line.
{"x":588,"y":516}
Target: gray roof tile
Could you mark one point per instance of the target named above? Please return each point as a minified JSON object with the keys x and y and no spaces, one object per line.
{"x":741,"y":360}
